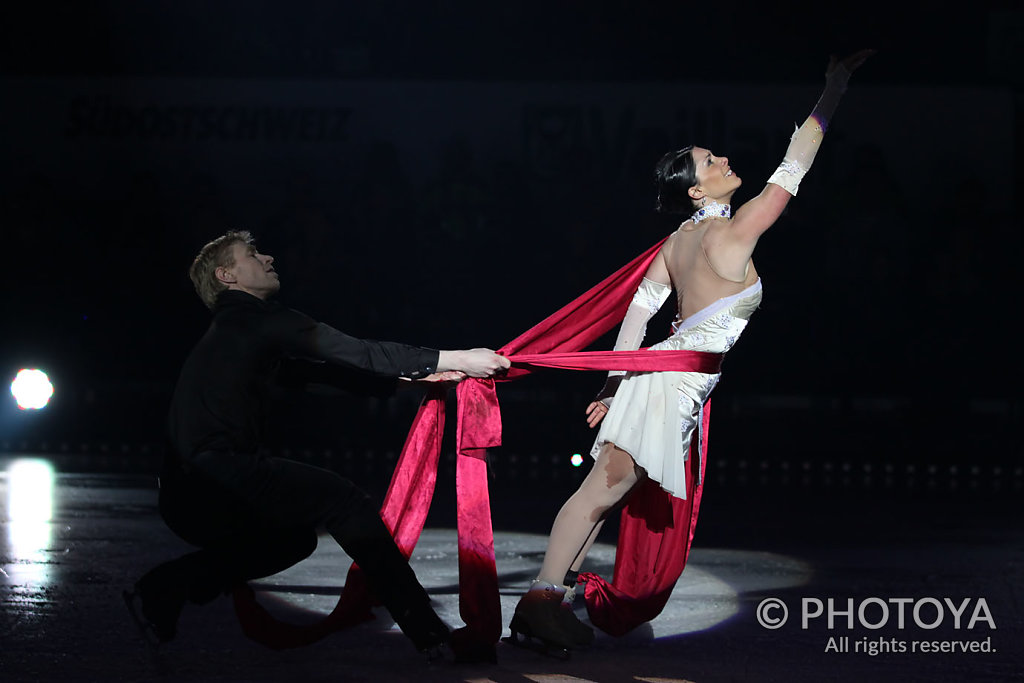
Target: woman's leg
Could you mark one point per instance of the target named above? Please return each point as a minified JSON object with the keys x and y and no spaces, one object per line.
{"x":545,"y":611}
{"x":613,"y":476}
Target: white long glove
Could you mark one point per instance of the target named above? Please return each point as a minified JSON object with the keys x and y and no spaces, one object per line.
{"x":648,"y":300}
{"x":804,"y":144}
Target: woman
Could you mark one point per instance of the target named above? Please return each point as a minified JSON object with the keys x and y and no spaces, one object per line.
{"x":648,"y":420}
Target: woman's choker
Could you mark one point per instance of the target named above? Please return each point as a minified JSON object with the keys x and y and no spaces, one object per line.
{"x":712,"y":210}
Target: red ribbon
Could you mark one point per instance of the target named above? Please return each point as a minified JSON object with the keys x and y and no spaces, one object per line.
{"x":635,"y":361}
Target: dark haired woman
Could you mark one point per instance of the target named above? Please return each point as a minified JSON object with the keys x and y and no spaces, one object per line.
{"x":648,"y":419}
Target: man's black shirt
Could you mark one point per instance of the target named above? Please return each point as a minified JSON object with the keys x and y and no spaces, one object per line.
{"x":220,"y":401}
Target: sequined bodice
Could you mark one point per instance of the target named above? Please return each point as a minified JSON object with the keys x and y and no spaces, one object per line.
{"x":716,"y":327}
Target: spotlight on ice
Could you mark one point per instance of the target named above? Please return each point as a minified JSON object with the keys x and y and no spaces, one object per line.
{"x":30,"y":490}
{"x":31,"y":389}
{"x":576,"y":459}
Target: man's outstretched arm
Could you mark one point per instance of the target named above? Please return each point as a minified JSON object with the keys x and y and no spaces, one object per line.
{"x":303,"y":336}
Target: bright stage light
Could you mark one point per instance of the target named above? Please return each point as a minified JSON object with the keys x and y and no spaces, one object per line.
{"x":31,"y":389}
{"x":576,"y":459}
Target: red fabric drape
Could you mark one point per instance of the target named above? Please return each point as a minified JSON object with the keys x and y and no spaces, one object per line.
{"x":637,"y":361}
{"x":655,"y":533}
{"x":554,"y":342}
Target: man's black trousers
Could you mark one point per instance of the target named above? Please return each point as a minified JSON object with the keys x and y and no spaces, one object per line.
{"x":253,"y":517}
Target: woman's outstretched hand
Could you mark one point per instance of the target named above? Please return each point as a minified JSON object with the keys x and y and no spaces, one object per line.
{"x":595,"y":413}
{"x":851,"y":63}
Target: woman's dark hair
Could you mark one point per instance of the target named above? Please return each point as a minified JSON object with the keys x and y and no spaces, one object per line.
{"x":674,"y":175}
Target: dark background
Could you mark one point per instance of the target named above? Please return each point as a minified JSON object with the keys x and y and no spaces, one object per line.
{"x":886,"y":332}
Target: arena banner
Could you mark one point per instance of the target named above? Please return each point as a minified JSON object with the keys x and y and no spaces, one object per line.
{"x":249,"y":136}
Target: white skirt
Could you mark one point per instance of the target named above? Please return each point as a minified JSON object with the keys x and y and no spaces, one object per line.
{"x":656,"y":416}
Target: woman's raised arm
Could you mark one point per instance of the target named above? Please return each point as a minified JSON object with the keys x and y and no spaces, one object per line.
{"x":758,"y":214}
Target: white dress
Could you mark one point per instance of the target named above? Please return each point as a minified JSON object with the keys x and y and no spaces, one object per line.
{"x":655,"y":414}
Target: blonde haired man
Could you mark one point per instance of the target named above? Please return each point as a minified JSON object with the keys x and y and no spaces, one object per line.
{"x":253,"y":515}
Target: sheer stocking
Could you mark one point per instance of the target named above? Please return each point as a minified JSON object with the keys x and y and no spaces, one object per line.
{"x":610,"y":480}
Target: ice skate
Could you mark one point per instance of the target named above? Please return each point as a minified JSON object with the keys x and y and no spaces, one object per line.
{"x":147,"y":630}
{"x":581,"y":634}
{"x":155,"y":612}
{"x":539,"y":623}
{"x":429,"y":635}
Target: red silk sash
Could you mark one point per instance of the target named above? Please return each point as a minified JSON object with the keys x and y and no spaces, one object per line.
{"x":635,"y":361}
{"x":554,"y":342}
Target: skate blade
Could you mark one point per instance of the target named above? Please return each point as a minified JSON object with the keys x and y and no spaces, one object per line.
{"x":539,"y":645}
{"x":146,"y":629}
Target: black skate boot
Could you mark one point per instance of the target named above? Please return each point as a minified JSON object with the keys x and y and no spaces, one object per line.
{"x":156,"y":600}
{"x":155,"y":611}
{"x":425,"y":629}
{"x":539,"y":617}
{"x":581,"y":634}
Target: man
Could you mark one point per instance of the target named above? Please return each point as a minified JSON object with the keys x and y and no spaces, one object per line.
{"x":251,"y":515}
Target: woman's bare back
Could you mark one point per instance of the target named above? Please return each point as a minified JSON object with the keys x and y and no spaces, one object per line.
{"x":701,"y":271}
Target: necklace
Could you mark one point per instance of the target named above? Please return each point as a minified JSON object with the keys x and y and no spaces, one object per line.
{"x":712,"y":210}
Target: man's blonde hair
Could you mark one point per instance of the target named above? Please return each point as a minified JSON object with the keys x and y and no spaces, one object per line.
{"x":216,"y":254}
